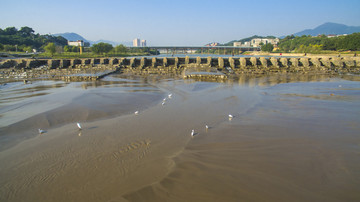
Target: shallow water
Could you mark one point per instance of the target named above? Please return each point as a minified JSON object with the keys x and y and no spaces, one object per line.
{"x":291,"y":138}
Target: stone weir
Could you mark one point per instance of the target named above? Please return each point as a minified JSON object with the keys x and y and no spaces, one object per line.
{"x":95,"y":68}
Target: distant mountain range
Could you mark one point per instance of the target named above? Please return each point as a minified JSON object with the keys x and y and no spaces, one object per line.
{"x":70,"y":36}
{"x":329,"y":28}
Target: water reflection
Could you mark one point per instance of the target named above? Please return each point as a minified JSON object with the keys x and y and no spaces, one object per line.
{"x":143,"y":82}
{"x":17,"y":91}
{"x":275,"y":79}
{"x":16,"y":98}
{"x":146,"y":82}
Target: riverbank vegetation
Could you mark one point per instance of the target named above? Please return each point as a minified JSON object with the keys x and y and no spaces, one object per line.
{"x":320,"y":44}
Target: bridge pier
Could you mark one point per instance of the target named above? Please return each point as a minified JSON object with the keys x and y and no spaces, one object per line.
{"x":176,"y":63}
{"x":220,"y":62}
{"x":153,"y":62}
{"x":165,"y":62}
{"x":264,"y":62}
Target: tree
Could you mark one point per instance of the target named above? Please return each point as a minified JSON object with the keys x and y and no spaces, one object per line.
{"x":9,"y":48}
{"x":26,"y":31}
{"x":86,"y":44}
{"x":267,"y":47}
{"x":120,"y":49}
{"x":101,"y":48}
{"x":10,"y":31}
{"x":28,"y":49}
{"x":75,"y":49}
{"x":50,"y":48}
{"x":67,"y":48}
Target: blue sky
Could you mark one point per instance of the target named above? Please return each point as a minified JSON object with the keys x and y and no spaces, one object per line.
{"x":176,"y":22}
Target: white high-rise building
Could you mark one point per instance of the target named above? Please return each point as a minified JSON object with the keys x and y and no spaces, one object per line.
{"x":143,"y":43}
{"x":136,"y":42}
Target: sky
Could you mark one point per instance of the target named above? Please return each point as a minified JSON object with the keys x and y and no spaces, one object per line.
{"x":176,"y":22}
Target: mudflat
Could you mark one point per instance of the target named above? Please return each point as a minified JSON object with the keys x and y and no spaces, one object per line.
{"x":292,"y":138}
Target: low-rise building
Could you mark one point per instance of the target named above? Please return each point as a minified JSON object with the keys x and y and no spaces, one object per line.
{"x":237,"y":44}
{"x":245,"y":44}
{"x":258,"y":41}
{"x":76,"y":43}
{"x":212,"y":44}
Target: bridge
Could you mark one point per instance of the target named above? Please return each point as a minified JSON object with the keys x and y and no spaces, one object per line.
{"x":203,"y":49}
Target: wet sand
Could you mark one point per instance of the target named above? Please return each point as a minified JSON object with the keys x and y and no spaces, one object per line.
{"x":288,"y":140}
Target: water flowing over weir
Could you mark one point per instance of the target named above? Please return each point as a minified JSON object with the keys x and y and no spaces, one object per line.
{"x":96,"y":68}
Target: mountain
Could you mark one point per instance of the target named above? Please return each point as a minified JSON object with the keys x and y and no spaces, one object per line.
{"x":329,"y":28}
{"x":70,"y":36}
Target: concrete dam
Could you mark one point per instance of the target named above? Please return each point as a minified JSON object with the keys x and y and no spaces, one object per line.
{"x":85,"y":68}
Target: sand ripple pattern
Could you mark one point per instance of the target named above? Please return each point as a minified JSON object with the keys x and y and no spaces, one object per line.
{"x":65,"y":167}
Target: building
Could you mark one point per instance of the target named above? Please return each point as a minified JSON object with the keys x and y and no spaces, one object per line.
{"x":237,"y":44}
{"x":212,"y":44}
{"x":136,"y":42}
{"x":76,"y":43}
{"x":143,"y":43}
{"x":245,"y":44}
{"x":257,"y":41}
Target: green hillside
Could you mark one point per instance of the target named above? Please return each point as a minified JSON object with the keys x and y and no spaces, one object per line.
{"x":25,"y":39}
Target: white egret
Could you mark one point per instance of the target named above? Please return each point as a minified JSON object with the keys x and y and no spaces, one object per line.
{"x":192,"y":133}
{"x":78,"y":125}
{"x":137,"y":112}
{"x":170,"y":95}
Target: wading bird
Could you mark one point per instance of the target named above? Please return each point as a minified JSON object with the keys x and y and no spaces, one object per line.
{"x":78,"y":125}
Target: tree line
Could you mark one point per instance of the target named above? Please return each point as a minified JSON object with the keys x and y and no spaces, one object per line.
{"x":310,"y":44}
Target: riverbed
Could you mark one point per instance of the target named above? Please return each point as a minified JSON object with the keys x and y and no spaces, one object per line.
{"x":292,"y":137}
